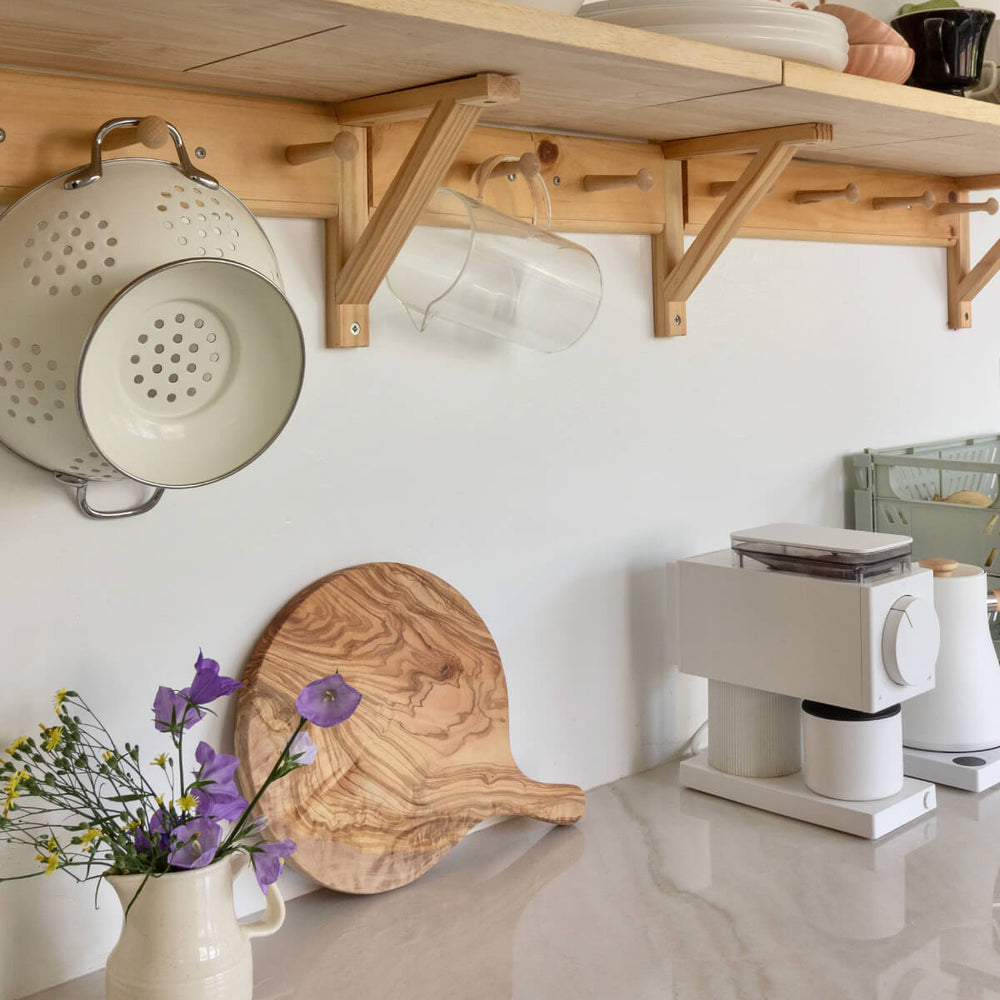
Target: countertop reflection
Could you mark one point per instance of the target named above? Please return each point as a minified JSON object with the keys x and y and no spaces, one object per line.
{"x":661,"y":892}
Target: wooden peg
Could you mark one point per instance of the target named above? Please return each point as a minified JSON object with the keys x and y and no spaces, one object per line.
{"x":925,"y":200}
{"x":850,"y":194}
{"x":955,"y":207}
{"x":719,"y":189}
{"x":527,"y":166}
{"x":151,"y":131}
{"x":344,"y":146}
{"x":643,"y":180}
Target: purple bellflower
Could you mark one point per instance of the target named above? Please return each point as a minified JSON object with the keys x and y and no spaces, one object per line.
{"x":328,"y":701}
{"x":215,"y":808}
{"x":195,"y":843}
{"x":216,"y":791}
{"x":207,"y":684}
{"x":172,"y":711}
{"x":266,"y":860}
{"x":302,"y":751}
{"x":154,"y":838}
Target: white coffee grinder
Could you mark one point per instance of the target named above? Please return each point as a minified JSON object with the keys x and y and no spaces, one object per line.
{"x":840,"y":618}
{"x":951,"y":735}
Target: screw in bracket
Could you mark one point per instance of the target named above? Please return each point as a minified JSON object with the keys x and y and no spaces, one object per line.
{"x":200,"y":152}
{"x":355,"y":329}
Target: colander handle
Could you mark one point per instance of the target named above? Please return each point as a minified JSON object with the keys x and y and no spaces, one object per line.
{"x":103,"y":515}
{"x":94,"y":171}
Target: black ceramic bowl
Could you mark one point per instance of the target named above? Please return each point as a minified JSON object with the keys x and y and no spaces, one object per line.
{"x":948,"y":45}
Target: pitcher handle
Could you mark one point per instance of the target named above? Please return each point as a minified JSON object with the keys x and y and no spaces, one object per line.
{"x":274,"y":915}
{"x":536,"y":185}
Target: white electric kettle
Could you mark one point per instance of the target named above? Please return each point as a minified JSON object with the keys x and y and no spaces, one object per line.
{"x":962,"y":713}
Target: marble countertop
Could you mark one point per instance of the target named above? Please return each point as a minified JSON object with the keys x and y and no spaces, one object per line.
{"x":661,"y":892}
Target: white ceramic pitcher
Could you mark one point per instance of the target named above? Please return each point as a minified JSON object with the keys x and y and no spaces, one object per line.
{"x":181,"y":939}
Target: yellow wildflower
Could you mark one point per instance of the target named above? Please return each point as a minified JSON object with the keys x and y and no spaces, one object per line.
{"x":132,"y":825}
{"x":160,"y":761}
{"x":60,"y":698}
{"x":51,"y":862}
{"x":187,"y":802}
{"x":108,"y":756}
{"x":88,"y":838}
{"x":11,"y":792}
{"x":52,"y":737}
{"x":16,"y":745}
{"x":159,"y":800}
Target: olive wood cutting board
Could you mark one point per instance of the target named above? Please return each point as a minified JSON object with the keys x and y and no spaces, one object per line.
{"x":425,"y":757}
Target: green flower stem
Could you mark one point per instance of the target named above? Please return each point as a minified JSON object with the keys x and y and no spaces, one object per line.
{"x":241,"y":822}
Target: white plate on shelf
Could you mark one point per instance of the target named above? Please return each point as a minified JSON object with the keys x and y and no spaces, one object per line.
{"x":762,"y":26}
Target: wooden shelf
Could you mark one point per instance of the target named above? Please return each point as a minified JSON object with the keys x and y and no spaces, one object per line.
{"x":253,"y":76}
{"x":575,"y":73}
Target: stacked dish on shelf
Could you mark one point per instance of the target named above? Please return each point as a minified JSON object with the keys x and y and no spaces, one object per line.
{"x":876,"y":50}
{"x":763,"y":26}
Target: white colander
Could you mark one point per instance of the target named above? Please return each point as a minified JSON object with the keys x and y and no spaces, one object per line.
{"x":144,"y":334}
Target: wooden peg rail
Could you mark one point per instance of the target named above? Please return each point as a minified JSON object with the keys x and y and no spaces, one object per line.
{"x":643,"y":180}
{"x":851,"y":194}
{"x":369,"y":167}
{"x":956,"y":207}
{"x":926,"y":199}
{"x":345,"y":146}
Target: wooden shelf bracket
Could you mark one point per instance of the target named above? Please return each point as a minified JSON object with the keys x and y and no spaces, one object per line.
{"x":964,"y":281}
{"x":677,"y":274}
{"x":360,"y":250}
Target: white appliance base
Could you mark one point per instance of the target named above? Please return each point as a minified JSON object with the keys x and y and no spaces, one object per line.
{"x":789,"y":796}
{"x":980,"y":771}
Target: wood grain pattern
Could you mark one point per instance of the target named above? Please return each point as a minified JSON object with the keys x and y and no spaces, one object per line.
{"x":576,"y":73}
{"x":424,"y":758}
{"x":49,"y":122}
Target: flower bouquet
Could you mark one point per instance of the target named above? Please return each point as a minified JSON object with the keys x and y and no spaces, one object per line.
{"x":87,"y":806}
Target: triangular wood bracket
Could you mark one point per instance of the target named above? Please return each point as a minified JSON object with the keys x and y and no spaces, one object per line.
{"x":360,"y":250}
{"x":676,"y":274}
{"x":965,"y":282}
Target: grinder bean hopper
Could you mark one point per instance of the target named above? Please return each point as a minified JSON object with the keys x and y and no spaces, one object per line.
{"x":810,"y":639}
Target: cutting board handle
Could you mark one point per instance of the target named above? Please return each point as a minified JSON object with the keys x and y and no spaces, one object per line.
{"x":559,"y":804}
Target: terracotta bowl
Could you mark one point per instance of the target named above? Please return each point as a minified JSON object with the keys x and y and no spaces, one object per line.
{"x":893,"y":63}
{"x":862,"y":28}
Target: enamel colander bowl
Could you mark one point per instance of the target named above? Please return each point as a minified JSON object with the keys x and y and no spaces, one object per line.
{"x":145,"y":334}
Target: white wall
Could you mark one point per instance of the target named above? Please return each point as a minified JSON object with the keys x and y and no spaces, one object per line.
{"x":551,"y":490}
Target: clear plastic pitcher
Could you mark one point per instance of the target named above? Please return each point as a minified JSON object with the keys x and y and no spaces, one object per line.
{"x":496,"y":274}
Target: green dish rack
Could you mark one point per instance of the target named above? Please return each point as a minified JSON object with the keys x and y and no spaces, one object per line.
{"x":895,"y":490}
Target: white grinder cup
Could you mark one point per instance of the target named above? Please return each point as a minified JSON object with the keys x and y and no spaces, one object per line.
{"x":852,"y":755}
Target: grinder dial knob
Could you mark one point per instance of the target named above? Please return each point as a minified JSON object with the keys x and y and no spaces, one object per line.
{"x":910,"y":639}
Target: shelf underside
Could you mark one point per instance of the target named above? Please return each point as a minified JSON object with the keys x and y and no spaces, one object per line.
{"x":575,"y":74}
